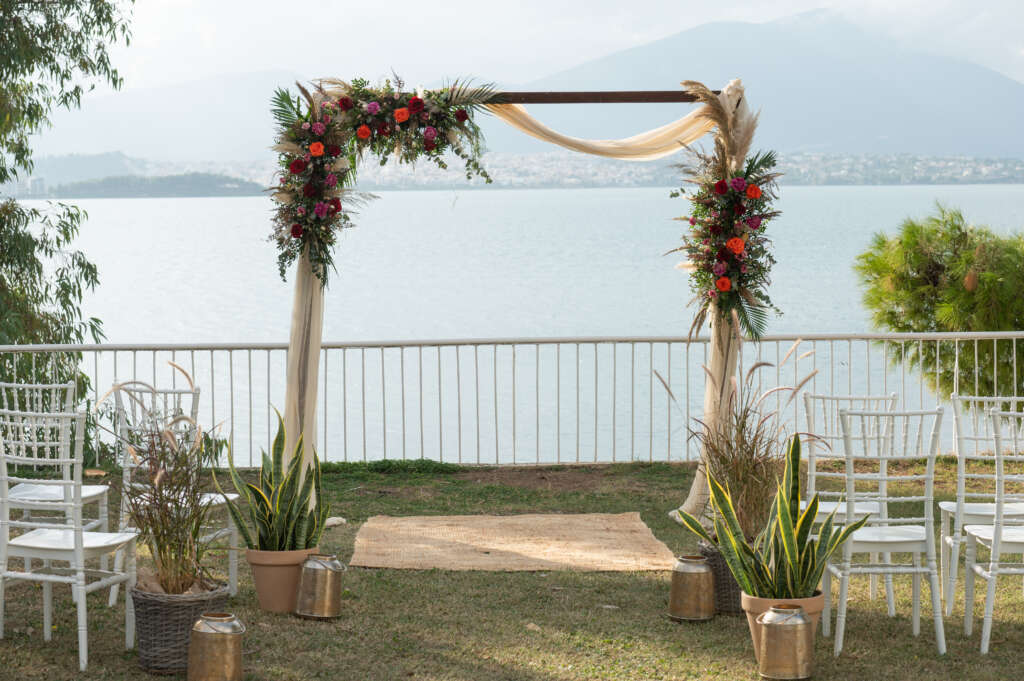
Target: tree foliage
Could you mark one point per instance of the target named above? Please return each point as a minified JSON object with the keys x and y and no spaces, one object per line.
{"x":939,"y":274}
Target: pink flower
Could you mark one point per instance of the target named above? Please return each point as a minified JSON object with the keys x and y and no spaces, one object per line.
{"x":719,"y":268}
{"x":319,"y":128}
{"x":693,"y":221}
{"x":743,"y":269}
{"x":327,"y":119}
{"x":321,"y":209}
{"x":738,"y":183}
{"x":301,"y":210}
{"x":372,"y":108}
{"x":307,"y":157}
{"x":331,"y":180}
{"x":712,"y":294}
{"x":430,"y":133}
{"x":754,"y":221}
{"x":282,"y":180}
{"x":305,"y":126}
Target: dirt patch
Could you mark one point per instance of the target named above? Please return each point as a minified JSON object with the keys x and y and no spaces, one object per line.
{"x":553,"y":479}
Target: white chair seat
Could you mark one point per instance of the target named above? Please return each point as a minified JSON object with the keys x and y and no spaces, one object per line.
{"x":894,"y":534}
{"x":1012,"y":540}
{"x":984,"y":510}
{"x":860,"y":508}
{"x":27,"y":492}
{"x":63,"y":541}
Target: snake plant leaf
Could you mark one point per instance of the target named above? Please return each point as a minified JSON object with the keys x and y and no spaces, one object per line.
{"x":236,"y":514}
{"x":806,"y":522}
{"x":728,"y":545}
{"x":694,"y":526}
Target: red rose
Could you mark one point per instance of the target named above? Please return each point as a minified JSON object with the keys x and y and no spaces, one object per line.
{"x":461,"y":116}
{"x":308,"y":190}
{"x":739,"y":209}
{"x":296,"y":231}
{"x":415,"y":105}
{"x":429,"y":145}
{"x":333,"y":150}
{"x":721,"y":187}
{"x":297,"y":166}
{"x":363,"y":132}
{"x":335,"y":205}
{"x":723,"y":284}
{"x":384,"y":130}
{"x":723,"y":254}
{"x":345,"y":103}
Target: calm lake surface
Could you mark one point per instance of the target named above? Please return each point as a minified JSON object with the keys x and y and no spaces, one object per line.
{"x":484,"y":263}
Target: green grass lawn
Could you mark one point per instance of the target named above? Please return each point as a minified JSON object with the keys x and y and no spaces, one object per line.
{"x":478,"y":626}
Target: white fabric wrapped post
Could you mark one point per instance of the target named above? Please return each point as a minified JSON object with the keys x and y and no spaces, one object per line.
{"x":304,"y":361}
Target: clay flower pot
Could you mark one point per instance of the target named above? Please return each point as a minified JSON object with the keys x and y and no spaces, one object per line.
{"x":754,"y":606}
{"x":275,"y":574}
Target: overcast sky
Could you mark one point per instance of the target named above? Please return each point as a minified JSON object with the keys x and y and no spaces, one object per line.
{"x":506,"y":42}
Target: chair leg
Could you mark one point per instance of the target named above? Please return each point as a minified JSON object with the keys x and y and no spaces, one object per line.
{"x":118,"y":566}
{"x":3,"y":568}
{"x":940,"y":629}
{"x":104,"y":527}
{"x":47,"y":611}
{"x":969,"y":585}
{"x":953,"y":563}
{"x":873,"y":579}
{"x":83,"y":631}
{"x":826,"y":615}
{"x":890,"y":596}
{"x":943,"y":554}
{"x":916,"y":598}
{"x":844,"y":582}
{"x":129,"y":603}
{"x":986,"y":625}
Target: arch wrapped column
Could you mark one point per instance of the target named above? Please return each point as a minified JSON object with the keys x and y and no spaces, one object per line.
{"x":304,"y":361}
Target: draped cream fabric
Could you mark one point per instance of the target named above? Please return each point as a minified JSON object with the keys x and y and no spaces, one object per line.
{"x":647,"y":146}
{"x":303,"y":361}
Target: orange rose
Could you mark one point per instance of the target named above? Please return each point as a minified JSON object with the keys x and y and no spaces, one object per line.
{"x":402,"y":115}
{"x":723,"y":284}
{"x":735,"y":245}
{"x":316,"y":149}
{"x":753,"y":191}
{"x":363,"y":132}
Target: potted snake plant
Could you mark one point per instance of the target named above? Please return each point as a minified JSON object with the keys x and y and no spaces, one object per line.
{"x":785,"y":563}
{"x":279,"y":525}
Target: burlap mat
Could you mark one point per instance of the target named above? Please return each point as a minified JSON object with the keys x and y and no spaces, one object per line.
{"x":587,"y":542}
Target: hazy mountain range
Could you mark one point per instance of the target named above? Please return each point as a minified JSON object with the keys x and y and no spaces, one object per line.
{"x":822,"y":85}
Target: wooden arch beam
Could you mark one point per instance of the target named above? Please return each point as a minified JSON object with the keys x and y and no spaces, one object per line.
{"x":595,"y":97}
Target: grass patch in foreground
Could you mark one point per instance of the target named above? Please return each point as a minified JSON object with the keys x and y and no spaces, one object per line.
{"x":554,"y":626}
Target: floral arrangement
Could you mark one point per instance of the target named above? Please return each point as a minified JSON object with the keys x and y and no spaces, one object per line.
{"x":729,"y":257}
{"x":323,"y":134}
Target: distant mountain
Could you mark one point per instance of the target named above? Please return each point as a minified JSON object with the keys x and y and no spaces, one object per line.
{"x":823,"y":85}
{"x":189,"y":184}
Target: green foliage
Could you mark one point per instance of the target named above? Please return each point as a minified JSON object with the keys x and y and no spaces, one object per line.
{"x":789,"y":556}
{"x":50,"y":54}
{"x":940,"y":274}
{"x":279,"y":517}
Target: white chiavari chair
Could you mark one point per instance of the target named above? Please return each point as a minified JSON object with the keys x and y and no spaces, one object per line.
{"x":60,"y":537}
{"x":883,"y":454}
{"x":822,"y":413}
{"x":1001,"y":534}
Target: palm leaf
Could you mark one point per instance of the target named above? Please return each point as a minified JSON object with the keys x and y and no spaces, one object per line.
{"x":284,"y":109}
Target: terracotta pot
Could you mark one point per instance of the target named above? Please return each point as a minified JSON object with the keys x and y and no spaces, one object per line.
{"x":275,"y":574}
{"x":754,"y":606}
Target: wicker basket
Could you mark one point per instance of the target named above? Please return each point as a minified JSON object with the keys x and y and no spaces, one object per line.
{"x":727,"y":589}
{"x":163,"y":623}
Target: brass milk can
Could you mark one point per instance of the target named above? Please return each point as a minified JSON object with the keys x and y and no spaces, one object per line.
{"x":692,"y":597}
{"x":320,"y":587}
{"x":215,"y":648}
{"x":787,"y":643}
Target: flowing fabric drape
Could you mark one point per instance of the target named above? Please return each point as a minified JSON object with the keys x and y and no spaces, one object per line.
{"x":303,"y":361}
{"x":647,"y":146}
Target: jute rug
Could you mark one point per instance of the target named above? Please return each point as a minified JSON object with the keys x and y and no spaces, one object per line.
{"x":586,"y":542}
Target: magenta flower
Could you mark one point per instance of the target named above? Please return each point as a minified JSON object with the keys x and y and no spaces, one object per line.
{"x":331,"y":179}
{"x":719,"y":268}
{"x":321,"y":209}
{"x":319,"y":128}
{"x":738,"y":183}
{"x":693,"y":221}
{"x":327,"y":119}
{"x":754,"y":221}
{"x":372,"y":108}
{"x":430,"y":133}
{"x":743,"y":269}
{"x":301,"y":210}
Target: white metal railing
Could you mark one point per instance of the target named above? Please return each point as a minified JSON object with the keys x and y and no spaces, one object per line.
{"x":528,"y":400}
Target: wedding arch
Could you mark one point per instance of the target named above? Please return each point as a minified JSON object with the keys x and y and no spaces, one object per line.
{"x":324,"y":133}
